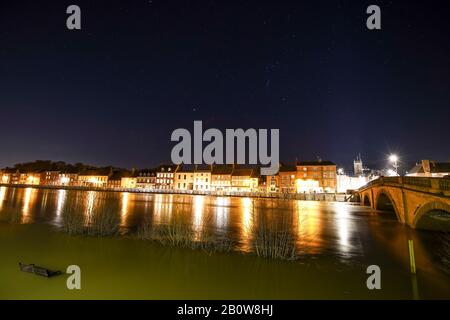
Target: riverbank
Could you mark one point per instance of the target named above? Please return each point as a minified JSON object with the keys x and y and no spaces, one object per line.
{"x":337,"y":197}
{"x":127,"y":268}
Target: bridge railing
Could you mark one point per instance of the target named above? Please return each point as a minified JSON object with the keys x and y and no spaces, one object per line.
{"x":418,"y":182}
{"x":444,"y":184}
{"x":391,"y":180}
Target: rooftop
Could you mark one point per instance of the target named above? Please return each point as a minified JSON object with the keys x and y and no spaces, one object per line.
{"x":435,"y":167}
{"x":316,"y":163}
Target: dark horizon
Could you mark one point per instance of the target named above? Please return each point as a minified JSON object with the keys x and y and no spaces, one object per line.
{"x":113,"y":92}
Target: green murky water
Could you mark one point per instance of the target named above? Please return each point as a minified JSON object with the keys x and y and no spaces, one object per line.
{"x":335,"y":244}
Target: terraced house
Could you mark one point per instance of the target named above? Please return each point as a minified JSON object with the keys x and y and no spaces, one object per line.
{"x":68,"y":178}
{"x":316,"y":176}
{"x":146,"y":179}
{"x":202,"y":178}
{"x":184,"y":179}
{"x":165,"y":177}
{"x":221,"y":177}
{"x":5,"y":177}
{"x":287,"y":178}
{"x":97,"y":178}
{"x":244,"y":180}
{"x":50,"y":178}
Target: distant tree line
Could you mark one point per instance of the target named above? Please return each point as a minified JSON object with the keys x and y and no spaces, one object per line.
{"x":48,"y":165}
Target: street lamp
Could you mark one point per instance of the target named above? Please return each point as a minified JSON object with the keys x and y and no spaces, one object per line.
{"x":394,"y":160}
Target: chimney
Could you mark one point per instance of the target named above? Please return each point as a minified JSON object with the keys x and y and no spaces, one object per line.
{"x":426,"y":166}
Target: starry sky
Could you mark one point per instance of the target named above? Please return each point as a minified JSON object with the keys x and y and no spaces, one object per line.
{"x":113,"y":92}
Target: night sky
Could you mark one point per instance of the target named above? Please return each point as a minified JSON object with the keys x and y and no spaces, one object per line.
{"x":113,"y":92}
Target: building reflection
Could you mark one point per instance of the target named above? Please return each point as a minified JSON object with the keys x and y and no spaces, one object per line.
{"x":126,"y":206}
{"x":343,"y":225}
{"x":197,"y":223}
{"x":61,"y":200}
{"x":125,"y":198}
{"x":309,"y":226}
{"x":28,"y":201}
{"x":2,"y":196}
{"x":222,"y":206}
{"x":163,"y":205}
{"x":90,"y":203}
{"x":248,"y":215}
{"x":44,"y":201}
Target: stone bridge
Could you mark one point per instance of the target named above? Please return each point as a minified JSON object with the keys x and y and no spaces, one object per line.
{"x":418,"y":202}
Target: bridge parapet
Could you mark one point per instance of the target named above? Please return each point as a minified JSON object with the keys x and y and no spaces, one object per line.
{"x":423,"y":184}
{"x":418,"y":182}
{"x":444,"y":184}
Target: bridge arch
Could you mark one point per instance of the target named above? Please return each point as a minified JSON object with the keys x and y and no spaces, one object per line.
{"x":385,"y":202}
{"x":366,"y":201}
{"x":434,"y":215}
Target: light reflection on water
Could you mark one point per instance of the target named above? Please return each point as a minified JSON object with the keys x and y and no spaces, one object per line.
{"x":343,"y":222}
{"x":248,"y":218}
{"x":163,"y":205}
{"x":28,"y":199}
{"x":199,"y":202}
{"x":61,"y":201}
{"x":222,"y":212}
{"x":125,"y":206}
{"x":341,"y":230}
{"x":308,"y":225}
{"x":2,"y":196}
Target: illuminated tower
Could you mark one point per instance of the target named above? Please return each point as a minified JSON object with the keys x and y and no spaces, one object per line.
{"x":358,"y":166}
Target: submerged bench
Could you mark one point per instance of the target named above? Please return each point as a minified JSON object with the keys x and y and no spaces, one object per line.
{"x":40,"y":271}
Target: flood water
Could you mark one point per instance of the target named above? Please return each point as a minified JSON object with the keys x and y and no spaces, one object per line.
{"x":331,"y":235}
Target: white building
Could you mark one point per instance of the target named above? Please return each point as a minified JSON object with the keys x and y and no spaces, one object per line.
{"x":345,"y":182}
{"x":202,"y":180}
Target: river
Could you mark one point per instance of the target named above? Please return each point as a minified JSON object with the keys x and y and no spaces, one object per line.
{"x":333,"y":238}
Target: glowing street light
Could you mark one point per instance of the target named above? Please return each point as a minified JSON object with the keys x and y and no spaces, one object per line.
{"x":393,"y":158}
